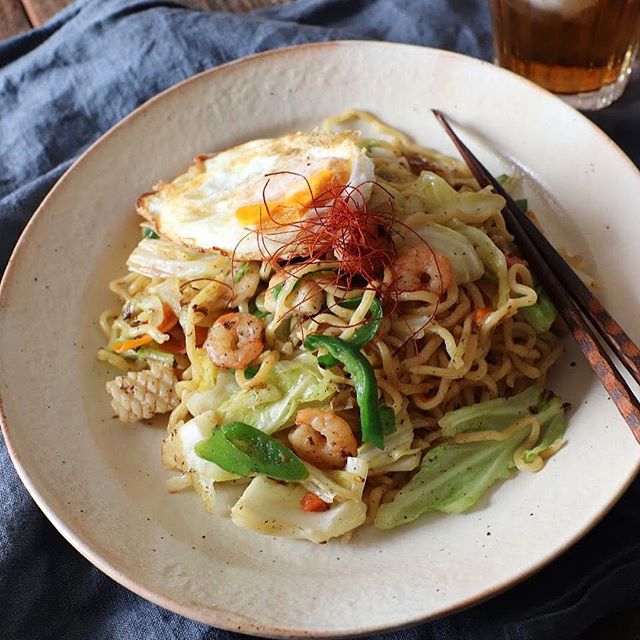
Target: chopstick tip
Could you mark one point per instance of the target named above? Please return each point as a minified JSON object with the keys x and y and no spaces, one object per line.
{"x":440,"y":117}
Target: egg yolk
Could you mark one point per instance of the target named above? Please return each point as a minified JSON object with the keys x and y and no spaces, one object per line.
{"x":295,"y":205}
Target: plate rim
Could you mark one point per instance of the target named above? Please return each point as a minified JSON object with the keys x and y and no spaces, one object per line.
{"x":209,"y":616}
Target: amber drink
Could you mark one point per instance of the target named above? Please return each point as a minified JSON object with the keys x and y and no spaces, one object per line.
{"x":581,"y":50}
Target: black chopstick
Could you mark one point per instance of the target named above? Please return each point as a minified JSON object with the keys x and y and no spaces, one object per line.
{"x":569,"y":295}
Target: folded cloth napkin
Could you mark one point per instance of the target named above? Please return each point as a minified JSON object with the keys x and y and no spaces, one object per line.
{"x":63,"y":85}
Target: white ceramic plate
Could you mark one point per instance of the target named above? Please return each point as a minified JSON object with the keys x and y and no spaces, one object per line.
{"x":102,"y":483}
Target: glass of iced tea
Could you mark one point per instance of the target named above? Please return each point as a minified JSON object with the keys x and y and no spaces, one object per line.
{"x":582,"y":50}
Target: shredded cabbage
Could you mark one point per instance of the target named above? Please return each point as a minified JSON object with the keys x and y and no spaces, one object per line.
{"x":290,"y":384}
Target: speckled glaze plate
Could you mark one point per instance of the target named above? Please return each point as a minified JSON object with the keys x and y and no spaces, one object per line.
{"x":102,"y":484}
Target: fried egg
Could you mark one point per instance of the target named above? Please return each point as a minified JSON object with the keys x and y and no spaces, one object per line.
{"x":250,"y":200}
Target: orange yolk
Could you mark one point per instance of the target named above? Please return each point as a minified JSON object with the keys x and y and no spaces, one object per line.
{"x":295,"y":205}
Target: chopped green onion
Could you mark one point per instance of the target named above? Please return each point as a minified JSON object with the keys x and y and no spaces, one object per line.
{"x":244,"y":450}
{"x":367,"y":145}
{"x":275,"y":291}
{"x":250,"y":372}
{"x":364,"y":378}
{"x":240,"y":272}
{"x":148,"y":232}
{"x":254,"y":311}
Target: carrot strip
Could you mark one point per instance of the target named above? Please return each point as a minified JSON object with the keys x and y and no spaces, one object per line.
{"x":177,"y":344}
{"x":511,"y":260}
{"x":311,"y":502}
{"x":480,"y":314}
{"x":119,"y":347}
{"x":169,"y":320}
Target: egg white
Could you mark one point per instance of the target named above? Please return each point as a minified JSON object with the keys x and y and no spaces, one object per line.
{"x":200,"y":208}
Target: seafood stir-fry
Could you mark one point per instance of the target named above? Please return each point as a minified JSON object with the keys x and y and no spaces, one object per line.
{"x":339,"y":323}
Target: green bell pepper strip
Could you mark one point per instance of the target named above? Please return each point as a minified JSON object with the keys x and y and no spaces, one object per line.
{"x":540,"y":315}
{"x":148,"y":232}
{"x":242,"y":449}
{"x":362,"y":335}
{"x":216,"y":448}
{"x":523,"y":203}
{"x":364,"y":378}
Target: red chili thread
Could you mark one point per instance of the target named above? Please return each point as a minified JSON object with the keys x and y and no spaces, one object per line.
{"x":344,"y":230}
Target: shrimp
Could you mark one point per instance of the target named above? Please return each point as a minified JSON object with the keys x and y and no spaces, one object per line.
{"x":235,"y":340}
{"x":322,"y":439}
{"x":423,"y":267}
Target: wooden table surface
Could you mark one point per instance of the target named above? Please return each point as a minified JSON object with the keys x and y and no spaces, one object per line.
{"x":17,"y":16}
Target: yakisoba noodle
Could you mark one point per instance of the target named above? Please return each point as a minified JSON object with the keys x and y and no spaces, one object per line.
{"x":438,"y":352}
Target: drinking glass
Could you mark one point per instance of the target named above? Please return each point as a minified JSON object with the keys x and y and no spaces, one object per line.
{"x":581,"y":50}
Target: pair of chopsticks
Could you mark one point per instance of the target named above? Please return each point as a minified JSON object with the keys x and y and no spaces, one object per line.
{"x":581,"y":311}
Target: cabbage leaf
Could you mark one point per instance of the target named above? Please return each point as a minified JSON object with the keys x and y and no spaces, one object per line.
{"x":397,"y":455}
{"x":182,"y":452}
{"x":493,"y":259}
{"x":163,"y":259}
{"x":342,"y":484}
{"x":273,"y":508}
{"x":492,"y":414}
{"x":178,"y":452}
{"x":454,"y":476}
{"x":269,"y":407}
{"x":466,"y":263}
{"x":432,"y":194}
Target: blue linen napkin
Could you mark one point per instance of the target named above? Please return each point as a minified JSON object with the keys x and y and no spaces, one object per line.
{"x":63,"y":85}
